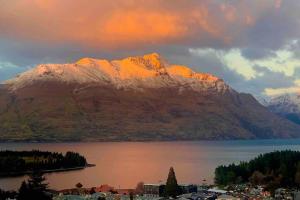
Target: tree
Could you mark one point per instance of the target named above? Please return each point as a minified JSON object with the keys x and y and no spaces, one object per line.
{"x":231,"y":176}
{"x":92,"y":191}
{"x":131,"y":195}
{"x":7,"y":195}
{"x":172,"y":188}
{"x":34,"y":188}
{"x":79,"y":185}
{"x":278,"y":165}
{"x":297,"y":175}
{"x":139,"y":188}
{"x":257,"y":178}
{"x":23,"y":191}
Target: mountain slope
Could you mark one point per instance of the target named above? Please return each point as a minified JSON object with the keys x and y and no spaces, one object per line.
{"x":287,"y":106}
{"x":137,"y":98}
{"x":137,"y":73}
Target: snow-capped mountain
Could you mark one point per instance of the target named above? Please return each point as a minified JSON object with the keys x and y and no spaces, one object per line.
{"x":136,"y":98}
{"x":287,"y":105}
{"x":148,"y":71}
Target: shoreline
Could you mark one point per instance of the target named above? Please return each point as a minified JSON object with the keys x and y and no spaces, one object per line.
{"x":17,"y":174}
{"x":141,"y":141}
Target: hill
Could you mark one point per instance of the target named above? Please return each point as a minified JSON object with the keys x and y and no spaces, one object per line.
{"x":287,"y":106}
{"x":134,"y":99}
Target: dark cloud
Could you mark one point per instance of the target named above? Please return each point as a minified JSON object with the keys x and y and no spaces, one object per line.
{"x":297,"y":72}
{"x":209,"y":62}
{"x":257,"y":53}
{"x":268,"y":79}
{"x":273,"y":28}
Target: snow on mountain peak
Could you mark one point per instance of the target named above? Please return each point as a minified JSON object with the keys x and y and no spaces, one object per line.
{"x":86,"y":61}
{"x":287,"y":103}
{"x":137,"y":72}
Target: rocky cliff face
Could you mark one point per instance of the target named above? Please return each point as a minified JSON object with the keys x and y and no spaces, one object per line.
{"x":136,"y":98}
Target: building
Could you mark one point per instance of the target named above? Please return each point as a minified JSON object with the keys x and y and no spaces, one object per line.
{"x":157,"y":190}
{"x":154,"y":190}
{"x":185,"y":188}
{"x":296,"y":195}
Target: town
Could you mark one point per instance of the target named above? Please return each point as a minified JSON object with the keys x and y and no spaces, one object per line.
{"x":36,"y":188}
{"x":266,"y":177}
{"x":188,"y":192}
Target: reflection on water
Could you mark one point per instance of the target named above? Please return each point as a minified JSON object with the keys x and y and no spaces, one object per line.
{"x":126,"y":163}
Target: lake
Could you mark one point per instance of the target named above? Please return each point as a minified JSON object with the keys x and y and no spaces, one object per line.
{"x":124,"y":164}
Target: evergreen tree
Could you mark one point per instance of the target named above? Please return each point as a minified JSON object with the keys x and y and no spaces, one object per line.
{"x":139,"y":188}
{"x":7,"y":194}
{"x":92,"y":191}
{"x":79,"y":185}
{"x":34,"y":189}
{"x":297,"y":175}
{"x":257,"y":178}
{"x":266,"y":168}
{"x":24,"y":192}
{"x":172,"y":188}
{"x":131,"y":197}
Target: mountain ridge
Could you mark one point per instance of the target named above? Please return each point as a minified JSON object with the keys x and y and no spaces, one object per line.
{"x":142,"y":98}
{"x":141,"y":71}
{"x":287,"y":106}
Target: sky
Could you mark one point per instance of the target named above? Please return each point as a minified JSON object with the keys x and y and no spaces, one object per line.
{"x":254,"y":45}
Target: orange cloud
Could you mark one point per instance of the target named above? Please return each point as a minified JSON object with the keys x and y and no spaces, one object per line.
{"x":153,"y":27}
{"x":278,"y":3}
{"x":119,"y":23}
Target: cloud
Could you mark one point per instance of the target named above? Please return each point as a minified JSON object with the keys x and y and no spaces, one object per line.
{"x":294,"y":46}
{"x":7,"y":70}
{"x":108,"y":24}
{"x":267,"y":79}
{"x":122,"y":25}
{"x":275,"y":27}
{"x":257,"y":53}
{"x":253,"y":45}
{"x":278,"y":4}
{"x":259,"y":77}
{"x":280,"y":91}
{"x":128,"y":23}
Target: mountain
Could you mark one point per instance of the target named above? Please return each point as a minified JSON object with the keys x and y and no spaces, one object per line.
{"x":287,"y":106}
{"x":137,"y":98}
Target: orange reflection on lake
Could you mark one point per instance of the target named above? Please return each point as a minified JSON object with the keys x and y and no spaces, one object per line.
{"x":124,"y":164}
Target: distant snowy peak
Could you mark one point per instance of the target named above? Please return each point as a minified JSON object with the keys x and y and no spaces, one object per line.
{"x":288,"y":103}
{"x":139,"y":72}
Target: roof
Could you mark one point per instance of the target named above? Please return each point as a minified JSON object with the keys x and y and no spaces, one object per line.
{"x":217,"y":191}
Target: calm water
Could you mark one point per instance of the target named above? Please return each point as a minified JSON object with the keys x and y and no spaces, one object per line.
{"x":126,"y":163}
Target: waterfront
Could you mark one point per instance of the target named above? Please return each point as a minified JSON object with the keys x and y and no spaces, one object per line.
{"x":123,"y":164}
